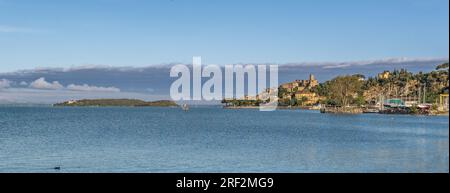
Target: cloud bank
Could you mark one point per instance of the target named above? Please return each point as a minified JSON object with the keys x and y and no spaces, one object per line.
{"x":42,"y":91}
{"x":39,"y":96}
{"x":4,"y":83}
{"x":86,"y":87}
{"x":153,"y":82}
{"x":13,"y":29}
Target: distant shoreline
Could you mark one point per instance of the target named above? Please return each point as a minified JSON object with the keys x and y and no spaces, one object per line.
{"x":116,"y":103}
{"x":278,"y":107}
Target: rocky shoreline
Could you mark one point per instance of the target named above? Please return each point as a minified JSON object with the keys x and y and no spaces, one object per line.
{"x":342,"y":110}
{"x":350,"y":110}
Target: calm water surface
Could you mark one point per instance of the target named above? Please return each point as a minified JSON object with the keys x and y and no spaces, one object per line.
{"x":211,"y":139}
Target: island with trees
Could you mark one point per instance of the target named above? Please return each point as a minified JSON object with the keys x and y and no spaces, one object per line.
{"x":116,"y":103}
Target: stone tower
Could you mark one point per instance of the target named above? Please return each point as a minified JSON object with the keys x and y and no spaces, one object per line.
{"x":312,"y":81}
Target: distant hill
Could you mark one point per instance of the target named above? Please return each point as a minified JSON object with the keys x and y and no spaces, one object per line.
{"x":117,"y":102}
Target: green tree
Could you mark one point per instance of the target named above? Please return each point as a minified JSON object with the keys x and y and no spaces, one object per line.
{"x":343,"y":89}
{"x":360,"y":101}
{"x":281,"y":92}
{"x":293,"y":101}
{"x":303,"y":100}
{"x":442,"y":66}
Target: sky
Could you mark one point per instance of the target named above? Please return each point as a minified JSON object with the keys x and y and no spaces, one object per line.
{"x":138,"y":33}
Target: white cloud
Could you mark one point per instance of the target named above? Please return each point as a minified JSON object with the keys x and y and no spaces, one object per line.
{"x":23,"y":83}
{"x":5,"y":83}
{"x":41,"y":83}
{"x":12,"y":29}
{"x":337,"y":66}
{"x":86,"y":87}
{"x":7,"y":29}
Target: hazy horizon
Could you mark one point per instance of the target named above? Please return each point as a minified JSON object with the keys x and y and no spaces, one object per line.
{"x":51,"y":85}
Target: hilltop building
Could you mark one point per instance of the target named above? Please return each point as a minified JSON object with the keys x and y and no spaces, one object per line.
{"x":300,"y":90}
{"x":384,"y":75}
{"x":300,"y":85}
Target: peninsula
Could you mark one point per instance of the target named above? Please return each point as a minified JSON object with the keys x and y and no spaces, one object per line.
{"x":390,"y":92}
{"x":116,"y":103}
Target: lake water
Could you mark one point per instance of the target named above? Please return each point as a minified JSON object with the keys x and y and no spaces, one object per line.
{"x":212,"y":139}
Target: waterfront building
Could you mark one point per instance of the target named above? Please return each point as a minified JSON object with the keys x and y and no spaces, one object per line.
{"x":394,"y":102}
{"x":443,"y":102}
{"x":251,"y":98}
{"x":300,"y":85}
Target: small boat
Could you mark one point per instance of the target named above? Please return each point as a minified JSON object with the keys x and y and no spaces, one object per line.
{"x":424,"y":106}
{"x":185,"y":107}
{"x":369,"y":110}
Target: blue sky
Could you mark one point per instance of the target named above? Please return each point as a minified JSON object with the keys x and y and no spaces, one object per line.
{"x":64,"y":33}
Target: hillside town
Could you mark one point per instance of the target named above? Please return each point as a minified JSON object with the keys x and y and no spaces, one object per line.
{"x":392,"y":92}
